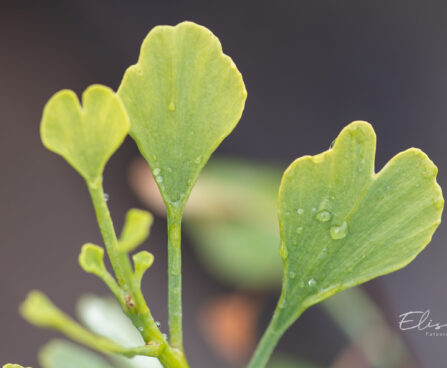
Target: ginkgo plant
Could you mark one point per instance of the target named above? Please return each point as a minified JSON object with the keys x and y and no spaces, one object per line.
{"x":341,"y":223}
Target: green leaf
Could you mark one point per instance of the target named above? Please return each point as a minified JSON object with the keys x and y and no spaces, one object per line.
{"x":62,"y":354}
{"x":183,"y":97}
{"x":91,"y":259}
{"x":40,"y":311}
{"x":342,"y":224}
{"x":136,"y":229}
{"x":9,"y":365}
{"x":142,"y":261}
{"x":85,"y":136}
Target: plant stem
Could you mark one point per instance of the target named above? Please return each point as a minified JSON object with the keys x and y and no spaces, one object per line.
{"x":132,"y":300}
{"x":174,"y":215}
{"x":269,"y":340}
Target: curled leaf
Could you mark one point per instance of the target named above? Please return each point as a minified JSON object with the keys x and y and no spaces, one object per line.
{"x":342,"y":224}
{"x":86,"y":136}
{"x":40,"y":311}
{"x":91,"y":259}
{"x":136,"y":229}
{"x":142,"y":261}
{"x":183,"y":97}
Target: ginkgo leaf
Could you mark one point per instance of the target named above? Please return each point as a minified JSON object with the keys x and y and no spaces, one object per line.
{"x":86,"y":136}
{"x":136,"y":229}
{"x":342,"y":224}
{"x":142,"y":261}
{"x":91,"y":259}
{"x":183,"y":97}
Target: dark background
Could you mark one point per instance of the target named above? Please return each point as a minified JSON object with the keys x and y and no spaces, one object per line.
{"x":310,"y":68}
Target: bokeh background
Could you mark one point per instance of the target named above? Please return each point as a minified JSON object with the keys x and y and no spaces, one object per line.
{"x":310,"y":68}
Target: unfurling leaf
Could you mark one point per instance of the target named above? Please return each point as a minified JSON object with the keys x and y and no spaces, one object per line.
{"x":40,"y":311}
{"x":136,"y":229}
{"x":142,"y":261}
{"x":183,"y":97}
{"x":86,"y":136}
{"x":91,"y":259}
{"x":342,"y":224}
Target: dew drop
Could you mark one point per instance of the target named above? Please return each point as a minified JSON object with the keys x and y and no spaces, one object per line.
{"x":158,"y":324}
{"x":159,"y":179}
{"x":171,"y":106}
{"x":106,"y":197}
{"x":339,"y":232}
{"x":165,"y":337}
{"x":313,"y":209}
{"x":140,"y":329}
{"x":323,"y":216}
{"x":156,"y":171}
{"x":311,"y":283}
{"x":292,"y":275}
{"x":299,"y":211}
{"x":299,"y":229}
{"x":197,"y":159}
{"x":283,"y":251}
{"x":283,"y":304}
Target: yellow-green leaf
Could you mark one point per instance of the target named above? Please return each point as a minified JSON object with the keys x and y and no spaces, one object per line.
{"x":40,"y":311}
{"x":342,"y":224}
{"x":86,"y":136}
{"x":142,"y":261}
{"x":136,"y":229}
{"x":91,"y":259}
{"x":183,"y":97}
{"x":9,"y":365}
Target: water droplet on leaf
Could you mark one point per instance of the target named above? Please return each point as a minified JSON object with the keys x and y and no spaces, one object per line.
{"x":300,"y":211}
{"x":106,"y":197}
{"x":156,"y":171}
{"x":283,"y":251}
{"x":292,"y":275}
{"x":311,"y":283}
{"x":323,"y":216}
{"x":339,"y":232}
{"x":299,"y":229}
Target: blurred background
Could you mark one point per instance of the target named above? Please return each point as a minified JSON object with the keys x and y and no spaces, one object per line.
{"x":310,"y":68}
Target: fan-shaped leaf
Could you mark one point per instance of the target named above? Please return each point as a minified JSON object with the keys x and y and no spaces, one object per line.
{"x":342,"y":224}
{"x":183,"y":97}
{"x":86,"y":136}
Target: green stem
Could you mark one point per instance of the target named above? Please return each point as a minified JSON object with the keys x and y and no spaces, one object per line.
{"x":132,"y":300}
{"x":266,"y":346}
{"x":175,"y":277}
{"x":269,"y":340}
